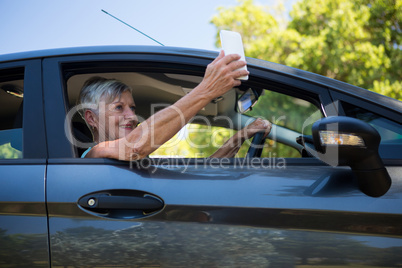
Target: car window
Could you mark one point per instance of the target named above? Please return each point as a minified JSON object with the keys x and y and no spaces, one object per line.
{"x":289,"y":112}
{"x":390,"y":131}
{"x":155,"y":91}
{"x":11,"y":101}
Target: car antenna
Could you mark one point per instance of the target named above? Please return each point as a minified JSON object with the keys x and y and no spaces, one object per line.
{"x":133,"y":27}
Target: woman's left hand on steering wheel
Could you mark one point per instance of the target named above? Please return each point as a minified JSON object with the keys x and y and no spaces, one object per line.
{"x":259,"y":129}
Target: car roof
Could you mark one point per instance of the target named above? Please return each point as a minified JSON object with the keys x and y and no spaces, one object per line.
{"x":106,"y":49}
{"x":192,"y":52}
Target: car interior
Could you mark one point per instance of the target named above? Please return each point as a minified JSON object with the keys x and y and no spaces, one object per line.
{"x":157,"y":88}
{"x":11,"y":107}
{"x":11,"y":95}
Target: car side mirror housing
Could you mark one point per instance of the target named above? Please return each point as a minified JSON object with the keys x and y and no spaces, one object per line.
{"x":341,"y":140}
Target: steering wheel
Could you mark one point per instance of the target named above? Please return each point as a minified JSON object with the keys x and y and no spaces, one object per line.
{"x":256,"y":146}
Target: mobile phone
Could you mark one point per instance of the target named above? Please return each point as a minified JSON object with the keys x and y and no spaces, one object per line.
{"x":233,"y":44}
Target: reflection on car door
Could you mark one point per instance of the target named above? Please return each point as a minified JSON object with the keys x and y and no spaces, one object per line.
{"x":218,"y":214}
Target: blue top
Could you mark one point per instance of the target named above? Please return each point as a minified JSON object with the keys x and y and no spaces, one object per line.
{"x":86,"y":151}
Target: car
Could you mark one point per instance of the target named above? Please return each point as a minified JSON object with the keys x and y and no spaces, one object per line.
{"x":324,"y":189}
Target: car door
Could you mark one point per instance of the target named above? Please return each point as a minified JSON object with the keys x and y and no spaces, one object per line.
{"x":261,"y":212}
{"x":23,"y":219}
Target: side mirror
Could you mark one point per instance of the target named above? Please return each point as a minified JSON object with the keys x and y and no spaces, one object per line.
{"x":342,"y":140}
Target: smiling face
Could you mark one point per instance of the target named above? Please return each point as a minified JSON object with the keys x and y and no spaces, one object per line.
{"x":115,"y":119}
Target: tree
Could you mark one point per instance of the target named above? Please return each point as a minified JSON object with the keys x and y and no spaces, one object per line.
{"x":355,"y":41}
{"x":358,"y":42}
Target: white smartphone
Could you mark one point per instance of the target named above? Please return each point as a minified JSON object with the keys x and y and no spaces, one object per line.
{"x":233,"y":44}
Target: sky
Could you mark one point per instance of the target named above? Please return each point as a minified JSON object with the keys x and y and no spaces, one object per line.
{"x":42,"y":24}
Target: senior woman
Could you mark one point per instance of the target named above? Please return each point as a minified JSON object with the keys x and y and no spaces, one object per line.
{"x":114,"y":124}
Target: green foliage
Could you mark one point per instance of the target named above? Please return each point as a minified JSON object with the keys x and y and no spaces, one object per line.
{"x":286,"y":111}
{"x":8,"y":152}
{"x":358,"y":42}
{"x":196,"y":141}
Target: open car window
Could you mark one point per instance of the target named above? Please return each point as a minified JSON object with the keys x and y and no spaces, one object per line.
{"x":214,"y":124}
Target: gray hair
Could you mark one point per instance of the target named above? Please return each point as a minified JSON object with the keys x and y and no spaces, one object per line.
{"x":97,"y":88}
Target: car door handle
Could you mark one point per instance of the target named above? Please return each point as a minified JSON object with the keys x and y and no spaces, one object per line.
{"x":114,"y":202}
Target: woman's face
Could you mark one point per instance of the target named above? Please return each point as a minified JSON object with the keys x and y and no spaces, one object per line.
{"x":117,"y":119}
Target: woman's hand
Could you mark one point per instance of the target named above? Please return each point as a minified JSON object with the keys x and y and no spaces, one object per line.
{"x":232,"y":146}
{"x":259,"y":125}
{"x":221,"y":74}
